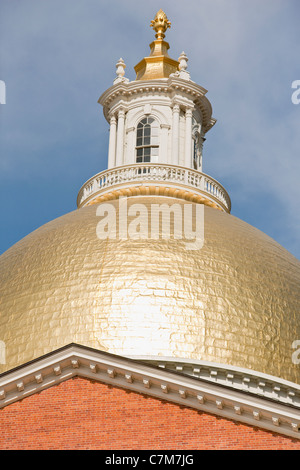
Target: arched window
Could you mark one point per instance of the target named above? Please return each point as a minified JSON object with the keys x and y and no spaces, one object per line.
{"x":147,"y":140}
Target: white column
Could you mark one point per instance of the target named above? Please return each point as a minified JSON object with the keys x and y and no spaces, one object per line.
{"x":163,"y":147}
{"x":120,"y":138}
{"x":130,"y":147}
{"x":188,"y":138}
{"x":112,"y":142}
{"x":201,"y":141}
{"x":175,"y":136}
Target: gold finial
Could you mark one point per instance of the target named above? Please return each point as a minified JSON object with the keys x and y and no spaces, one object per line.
{"x":158,"y":64}
{"x":160,"y":24}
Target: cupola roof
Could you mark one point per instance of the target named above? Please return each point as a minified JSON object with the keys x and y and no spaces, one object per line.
{"x":158,"y":64}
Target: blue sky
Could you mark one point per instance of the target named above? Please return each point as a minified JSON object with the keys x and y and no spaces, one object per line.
{"x":58,"y":56}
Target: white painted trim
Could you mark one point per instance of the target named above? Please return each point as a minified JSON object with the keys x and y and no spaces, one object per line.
{"x":167,"y":87}
{"x":247,"y":380}
{"x":137,"y":376}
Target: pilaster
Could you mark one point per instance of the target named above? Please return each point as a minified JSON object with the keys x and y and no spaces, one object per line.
{"x":163,"y":148}
{"x":112,"y":142}
{"x":175,"y":135}
{"x":120,"y":137}
{"x":188,"y":137}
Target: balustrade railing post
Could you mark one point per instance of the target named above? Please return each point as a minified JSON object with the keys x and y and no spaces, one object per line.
{"x":186,"y":176}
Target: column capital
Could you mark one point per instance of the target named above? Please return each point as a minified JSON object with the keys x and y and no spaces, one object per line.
{"x":112,"y":119}
{"x":121,"y":113}
{"x":189,"y":111}
{"x":176,"y":108}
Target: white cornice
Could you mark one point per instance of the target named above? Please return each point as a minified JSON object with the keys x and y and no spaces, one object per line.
{"x":172,"y":86}
{"x":246,"y":380}
{"x":138,"y":376}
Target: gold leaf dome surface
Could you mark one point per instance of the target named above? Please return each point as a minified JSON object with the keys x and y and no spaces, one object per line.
{"x":235,"y":301}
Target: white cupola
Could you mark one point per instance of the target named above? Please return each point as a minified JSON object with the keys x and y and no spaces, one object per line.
{"x":158,"y":124}
{"x":162,"y":116}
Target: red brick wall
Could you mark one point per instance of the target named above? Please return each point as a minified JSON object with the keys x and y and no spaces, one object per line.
{"x":82,"y":414}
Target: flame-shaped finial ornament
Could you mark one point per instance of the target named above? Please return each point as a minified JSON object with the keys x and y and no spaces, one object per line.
{"x":160,"y":24}
{"x":158,"y":64}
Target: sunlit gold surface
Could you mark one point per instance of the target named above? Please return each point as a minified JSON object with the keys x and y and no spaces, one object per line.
{"x":235,"y":301}
{"x":158,"y":64}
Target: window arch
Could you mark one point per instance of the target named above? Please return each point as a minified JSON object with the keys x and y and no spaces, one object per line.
{"x":147,"y":140}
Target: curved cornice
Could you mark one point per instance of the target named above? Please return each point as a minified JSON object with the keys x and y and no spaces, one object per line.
{"x":171,"y":87}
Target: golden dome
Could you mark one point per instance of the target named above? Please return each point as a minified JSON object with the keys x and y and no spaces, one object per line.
{"x":235,"y":301}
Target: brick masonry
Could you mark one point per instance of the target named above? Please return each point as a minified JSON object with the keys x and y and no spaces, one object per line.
{"x":83,"y":414}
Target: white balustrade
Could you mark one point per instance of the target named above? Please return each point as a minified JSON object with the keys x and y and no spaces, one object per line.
{"x":155,"y":172}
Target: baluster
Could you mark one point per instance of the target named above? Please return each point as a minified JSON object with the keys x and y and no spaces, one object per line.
{"x":126,"y":174}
